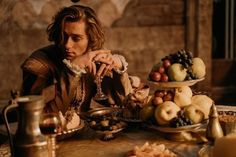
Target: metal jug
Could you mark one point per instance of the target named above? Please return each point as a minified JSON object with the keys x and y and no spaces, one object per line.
{"x":28,"y":140}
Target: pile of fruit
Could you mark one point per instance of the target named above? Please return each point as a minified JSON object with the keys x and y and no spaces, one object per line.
{"x":177,"y":107}
{"x":179,"y":66}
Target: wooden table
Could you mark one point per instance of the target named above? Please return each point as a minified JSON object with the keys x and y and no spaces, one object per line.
{"x":87,"y":143}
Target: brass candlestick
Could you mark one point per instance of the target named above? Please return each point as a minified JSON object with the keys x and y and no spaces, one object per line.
{"x":214,"y":129}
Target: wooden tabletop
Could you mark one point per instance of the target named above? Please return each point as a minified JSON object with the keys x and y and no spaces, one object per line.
{"x":87,"y":143}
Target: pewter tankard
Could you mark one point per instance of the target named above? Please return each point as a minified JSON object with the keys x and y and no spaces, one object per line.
{"x":28,"y":140}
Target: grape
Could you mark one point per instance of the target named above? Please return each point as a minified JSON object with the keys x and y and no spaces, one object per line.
{"x":182,"y":57}
{"x":180,"y":120}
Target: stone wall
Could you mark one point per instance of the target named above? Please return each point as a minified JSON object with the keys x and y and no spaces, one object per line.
{"x":142,"y":30}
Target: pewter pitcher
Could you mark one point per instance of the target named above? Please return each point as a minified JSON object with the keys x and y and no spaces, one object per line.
{"x":28,"y":140}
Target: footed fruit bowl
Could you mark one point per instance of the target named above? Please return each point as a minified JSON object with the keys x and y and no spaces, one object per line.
{"x":167,"y":129}
{"x":105,"y":121}
{"x":174,"y":84}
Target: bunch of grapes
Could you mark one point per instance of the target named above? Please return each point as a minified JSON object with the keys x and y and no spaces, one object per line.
{"x":185,"y":58}
{"x":180,"y":120}
{"x":182,"y":57}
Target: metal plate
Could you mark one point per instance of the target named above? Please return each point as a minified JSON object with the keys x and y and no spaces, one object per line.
{"x":70,"y":132}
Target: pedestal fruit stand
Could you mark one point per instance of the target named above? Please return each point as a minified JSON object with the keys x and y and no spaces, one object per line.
{"x":178,"y":111}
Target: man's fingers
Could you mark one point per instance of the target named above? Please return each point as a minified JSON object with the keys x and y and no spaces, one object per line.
{"x":107,"y":68}
{"x":101,"y":69}
{"x":94,"y":68}
{"x":98,"y":54}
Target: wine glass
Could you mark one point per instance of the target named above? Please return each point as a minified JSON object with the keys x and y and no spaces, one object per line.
{"x":50,"y":125}
{"x":99,"y":96}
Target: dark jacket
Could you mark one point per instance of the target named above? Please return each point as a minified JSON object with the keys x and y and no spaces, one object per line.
{"x":45,"y":74}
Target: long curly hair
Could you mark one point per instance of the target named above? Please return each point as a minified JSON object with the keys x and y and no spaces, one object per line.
{"x":72,"y":14}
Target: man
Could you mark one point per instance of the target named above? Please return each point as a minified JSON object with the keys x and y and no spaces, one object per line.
{"x":64,"y":72}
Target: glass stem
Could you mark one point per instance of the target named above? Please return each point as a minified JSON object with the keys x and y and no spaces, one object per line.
{"x":52,"y":146}
{"x":99,"y":89}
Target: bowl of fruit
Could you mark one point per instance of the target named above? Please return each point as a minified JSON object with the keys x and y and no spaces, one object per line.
{"x":179,"y":109}
{"x":105,"y":121}
{"x":177,"y":69}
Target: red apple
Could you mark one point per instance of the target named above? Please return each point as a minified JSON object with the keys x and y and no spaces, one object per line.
{"x":166,"y":63}
{"x":169,"y":96}
{"x":159,"y":93}
{"x":164,"y":78}
{"x":155,"y":76}
{"x":161,"y":69}
{"x":157,"y":101}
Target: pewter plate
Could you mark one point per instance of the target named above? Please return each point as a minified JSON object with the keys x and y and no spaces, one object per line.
{"x":175,"y":84}
{"x":71,"y":132}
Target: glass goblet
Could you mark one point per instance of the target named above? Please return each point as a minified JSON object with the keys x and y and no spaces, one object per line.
{"x":99,"y":96}
{"x":50,"y":125}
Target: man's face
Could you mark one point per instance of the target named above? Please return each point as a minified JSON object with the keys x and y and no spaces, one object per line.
{"x":76,"y":39}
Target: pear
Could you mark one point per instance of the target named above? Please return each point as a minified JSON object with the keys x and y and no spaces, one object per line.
{"x":194,"y":114}
{"x":198,"y":68}
{"x":203,"y":103}
{"x":177,"y":72}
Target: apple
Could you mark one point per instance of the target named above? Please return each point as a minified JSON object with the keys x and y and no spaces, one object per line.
{"x":155,"y":76}
{"x":159,"y":93}
{"x":165,"y":112}
{"x":186,"y":90}
{"x":161,"y":69}
{"x":169,"y":96}
{"x":177,"y":72}
{"x":157,"y":100}
{"x":194,"y":114}
{"x":156,"y":66}
{"x":166,"y":63}
{"x":164,"y":78}
{"x":182,"y":100}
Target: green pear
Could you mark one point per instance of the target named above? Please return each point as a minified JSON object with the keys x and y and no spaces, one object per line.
{"x":177,"y":72}
{"x":203,"y":103}
{"x":194,"y":114}
{"x":198,"y":68}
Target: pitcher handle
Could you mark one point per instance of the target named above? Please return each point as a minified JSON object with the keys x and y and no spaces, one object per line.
{"x":12,"y":104}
